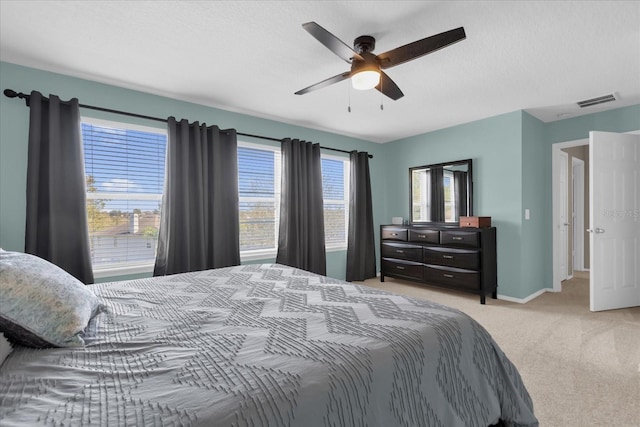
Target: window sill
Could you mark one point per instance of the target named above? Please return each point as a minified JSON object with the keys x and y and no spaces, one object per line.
{"x":272,"y":253}
{"x":122,"y":271}
{"x":148,"y":268}
{"x":259,"y":254}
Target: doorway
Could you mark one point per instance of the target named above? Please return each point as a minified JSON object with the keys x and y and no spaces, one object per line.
{"x":570,"y":162}
{"x":580,"y":205}
{"x":557,"y":153}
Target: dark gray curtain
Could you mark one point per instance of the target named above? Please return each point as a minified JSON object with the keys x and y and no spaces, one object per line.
{"x":199,"y":226}
{"x":301,"y":235}
{"x":460,"y":184}
{"x":56,"y":220}
{"x":437,"y":194}
{"x":361,"y":253}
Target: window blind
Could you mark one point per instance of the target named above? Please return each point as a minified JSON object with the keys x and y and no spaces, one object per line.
{"x":124,"y":169}
{"x":259,"y":194}
{"x":335,"y":192}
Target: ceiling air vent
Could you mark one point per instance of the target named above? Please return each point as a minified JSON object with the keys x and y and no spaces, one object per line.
{"x":596,"y":101}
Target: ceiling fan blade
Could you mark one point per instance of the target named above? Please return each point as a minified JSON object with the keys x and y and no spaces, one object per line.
{"x":388,"y":87}
{"x":332,"y":43}
{"x":325,"y":83}
{"x":419,"y":48}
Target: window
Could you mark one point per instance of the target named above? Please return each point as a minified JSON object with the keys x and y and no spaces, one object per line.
{"x":259,"y":193}
{"x":124,"y":168}
{"x":421,"y":191}
{"x":449,"y":196}
{"x":335,"y":192}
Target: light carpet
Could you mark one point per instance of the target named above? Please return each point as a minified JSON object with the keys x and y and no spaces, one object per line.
{"x":581,"y":368}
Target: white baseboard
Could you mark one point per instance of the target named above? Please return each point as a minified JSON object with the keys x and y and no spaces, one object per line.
{"x":512,"y":299}
{"x":527,"y":299}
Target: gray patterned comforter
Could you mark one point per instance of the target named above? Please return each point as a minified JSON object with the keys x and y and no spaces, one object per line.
{"x":266,"y":345}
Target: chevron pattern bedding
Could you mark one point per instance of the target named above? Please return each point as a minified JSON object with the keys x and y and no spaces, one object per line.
{"x":266,"y":345}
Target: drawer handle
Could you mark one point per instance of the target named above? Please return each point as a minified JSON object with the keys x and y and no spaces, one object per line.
{"x":422,"y":235}
{"x":456,"y":238}
{"x":447,"y":256}
{"x":399,"y":251}
{"x":450,"y":276}
{"x":399,"y":268}
{"x":394,"y":234}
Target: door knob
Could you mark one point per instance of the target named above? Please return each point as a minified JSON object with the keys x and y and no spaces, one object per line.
{"x":597,"y":230}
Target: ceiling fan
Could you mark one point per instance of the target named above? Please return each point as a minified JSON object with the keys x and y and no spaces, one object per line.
{"x":366,"y":67}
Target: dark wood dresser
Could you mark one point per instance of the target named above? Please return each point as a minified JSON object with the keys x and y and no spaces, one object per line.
{"x":457,"y":258}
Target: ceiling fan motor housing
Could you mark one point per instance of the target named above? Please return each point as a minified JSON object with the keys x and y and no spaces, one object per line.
{"x":364,"y":44}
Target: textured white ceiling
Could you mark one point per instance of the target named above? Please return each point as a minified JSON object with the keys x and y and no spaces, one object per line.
{"x":251,"y":56}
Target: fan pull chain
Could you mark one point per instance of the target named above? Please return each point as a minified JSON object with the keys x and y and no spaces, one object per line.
{"x":349,"y":92}
{"x":381,"y":97}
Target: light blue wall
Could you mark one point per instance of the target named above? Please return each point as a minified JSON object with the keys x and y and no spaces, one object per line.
{"x":511,"y":159}
{"x":619,"y":120}
{"x":495,"y":146}
{"x":14,"y":117}
{"x":536,"y":242}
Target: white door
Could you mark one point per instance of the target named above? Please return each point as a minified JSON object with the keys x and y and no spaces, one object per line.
{"x":614,"y":220}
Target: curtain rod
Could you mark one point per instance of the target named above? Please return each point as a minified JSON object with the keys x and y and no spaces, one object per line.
{"x":10,"y":93}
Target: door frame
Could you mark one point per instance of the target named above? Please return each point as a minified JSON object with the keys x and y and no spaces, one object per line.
{"x":556,"y":150}
{"x":555,"y":153}
{"x":578,"y":177}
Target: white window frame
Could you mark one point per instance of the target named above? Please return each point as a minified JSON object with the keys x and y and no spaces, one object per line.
{"x":452,"y":193}
{"x":246,"y":255}
{"x":421,"y":203}
{"x":344,"y":201}
{"x":257,"y":254}
{"x":114,"y":270}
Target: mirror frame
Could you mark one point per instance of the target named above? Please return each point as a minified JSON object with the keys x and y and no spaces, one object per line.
{"x":469,"y":164}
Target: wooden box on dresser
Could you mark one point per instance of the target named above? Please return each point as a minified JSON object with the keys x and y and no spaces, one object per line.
{"x":457,"y":258}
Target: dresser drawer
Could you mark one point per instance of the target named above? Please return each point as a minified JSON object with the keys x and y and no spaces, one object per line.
{"x":461,"y":258}
{"x":456,"y":277}
{"x":427,"y":236}
{"x":392,"y":233}
{"x":460,"y":238}
{"x":395,"y":267}
{"x":475,"y":221}
{"x":402,"y":251}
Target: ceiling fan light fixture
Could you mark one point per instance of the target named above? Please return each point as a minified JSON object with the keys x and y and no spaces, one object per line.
{"x":365,"y":79}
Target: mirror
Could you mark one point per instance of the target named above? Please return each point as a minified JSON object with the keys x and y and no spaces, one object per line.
{"x":441,"y":193}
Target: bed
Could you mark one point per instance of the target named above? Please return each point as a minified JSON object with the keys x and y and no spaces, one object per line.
{"x":264,"y":345}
